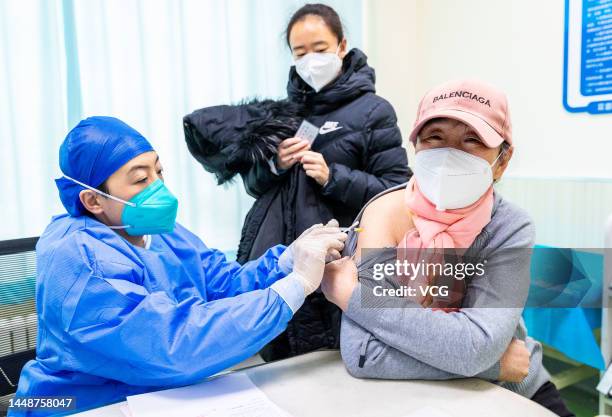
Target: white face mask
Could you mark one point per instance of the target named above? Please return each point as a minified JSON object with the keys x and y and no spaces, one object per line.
{"x":318,"y":69}
{"x":451,"y":178}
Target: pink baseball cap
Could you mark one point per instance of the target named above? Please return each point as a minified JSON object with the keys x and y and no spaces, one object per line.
{"x":481,"y":106}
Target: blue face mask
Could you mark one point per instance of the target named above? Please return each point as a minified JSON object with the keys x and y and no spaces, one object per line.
{"x":151,"y":211}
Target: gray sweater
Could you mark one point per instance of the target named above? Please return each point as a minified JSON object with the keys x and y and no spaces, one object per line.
{"x":419,"y":343}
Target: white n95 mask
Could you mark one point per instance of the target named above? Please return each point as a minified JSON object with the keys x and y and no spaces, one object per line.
{"x":451,"y":178}
{"x":318,"y":69}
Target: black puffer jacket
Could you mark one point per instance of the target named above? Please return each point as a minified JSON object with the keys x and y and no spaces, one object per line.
{"x":363,"y":151}
{"x":359,"y":140}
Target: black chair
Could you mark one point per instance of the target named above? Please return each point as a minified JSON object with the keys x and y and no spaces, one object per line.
{"x":17,"y":305}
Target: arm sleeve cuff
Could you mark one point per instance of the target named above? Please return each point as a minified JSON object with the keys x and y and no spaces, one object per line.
{"x":291,"y":291}
{"x":491,"y":374}
{"x":276,"y":171}
{"x":354,"y":304}
{"x":272,"y":167}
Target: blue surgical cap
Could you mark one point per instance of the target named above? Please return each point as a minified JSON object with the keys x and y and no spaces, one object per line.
{"x":92,"y":151}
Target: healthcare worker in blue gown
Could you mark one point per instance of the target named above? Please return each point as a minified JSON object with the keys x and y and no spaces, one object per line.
{"x":130,"y":301}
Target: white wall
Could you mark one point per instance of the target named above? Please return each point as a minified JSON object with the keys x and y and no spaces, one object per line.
{"x":516,"y":45}
{"x":391,"y":41}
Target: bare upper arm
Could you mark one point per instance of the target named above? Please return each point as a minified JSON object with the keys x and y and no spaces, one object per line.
{"x":384,"y":222}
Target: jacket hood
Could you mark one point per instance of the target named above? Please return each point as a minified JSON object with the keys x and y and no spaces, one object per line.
{"x":356,"y":79}
{"x":229,"y":139}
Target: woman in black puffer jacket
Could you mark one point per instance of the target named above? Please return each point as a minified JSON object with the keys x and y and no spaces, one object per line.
{"x":356,"y":154}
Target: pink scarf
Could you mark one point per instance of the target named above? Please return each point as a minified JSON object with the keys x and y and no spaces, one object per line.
{"x":438,"y":230}
{"x":444,"y":229}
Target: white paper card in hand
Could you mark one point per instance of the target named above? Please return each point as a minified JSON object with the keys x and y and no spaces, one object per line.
{"x":232,"y":395}
{"x":307,"y":131}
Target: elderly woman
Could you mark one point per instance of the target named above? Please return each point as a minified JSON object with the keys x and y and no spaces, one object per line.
{"x":463,"y":145}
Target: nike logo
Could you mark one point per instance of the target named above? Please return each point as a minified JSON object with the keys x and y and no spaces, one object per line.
{"x":329,"y":127}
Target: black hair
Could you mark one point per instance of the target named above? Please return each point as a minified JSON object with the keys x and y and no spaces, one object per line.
{"x":329,"y":16}
{"x":504,"y":148}
{"x":103,"y":187}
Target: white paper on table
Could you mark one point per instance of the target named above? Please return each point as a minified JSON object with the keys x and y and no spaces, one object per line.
{"x":428,"y":412}
{"x":125,"y":410}
{"x":232,"y":395}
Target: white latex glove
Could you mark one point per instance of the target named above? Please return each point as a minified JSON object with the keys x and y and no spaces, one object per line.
{"x":309,"y":252}
{"x":285,"y":261}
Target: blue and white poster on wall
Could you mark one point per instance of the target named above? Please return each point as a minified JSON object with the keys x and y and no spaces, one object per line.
{"x":588,"y":56}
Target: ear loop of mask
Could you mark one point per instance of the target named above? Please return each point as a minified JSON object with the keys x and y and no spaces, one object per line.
{"x":503,"y":152}
{"x":105,"y":195}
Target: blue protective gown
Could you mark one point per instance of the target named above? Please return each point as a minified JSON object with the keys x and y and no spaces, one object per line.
{"x":116,"y":319}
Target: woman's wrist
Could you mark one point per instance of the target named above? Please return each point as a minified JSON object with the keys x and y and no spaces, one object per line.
{"x":327,"y":179}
